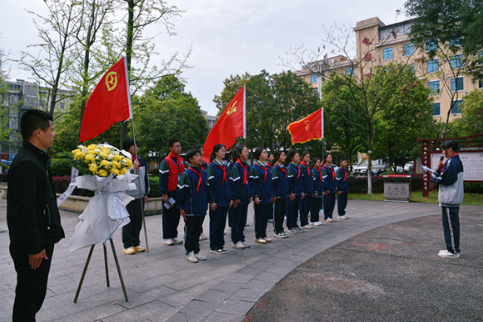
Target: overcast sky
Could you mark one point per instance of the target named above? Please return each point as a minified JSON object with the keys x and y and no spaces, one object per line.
{"x":228,"y":37}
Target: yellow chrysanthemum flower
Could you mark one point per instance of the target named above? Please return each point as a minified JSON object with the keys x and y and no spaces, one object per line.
{"x":89,"y":157}
{"x":105,"y":150}
{"x":79,"y":155}
{"x":93,"y":168}
{"x":92,"y":147}
{"x":104,"y":163}
{"x":123,"y":171}
{"x":116,"y":165}
{"x":128,"y":162}
{"x":102,"y":173}
{"x":103,"y":155}
{"x":115,"y":171}
{"x":75,"y":151}
{"x":117,"y":158}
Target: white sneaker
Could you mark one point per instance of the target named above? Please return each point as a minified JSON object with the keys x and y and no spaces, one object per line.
{"x":343,"y":217}
{"x":192,"y":258}
{"x":203,"y":237}
{"x":245,"y":245}
{"x":260,"y":241}
{"x":177,"y":240}
{"x":168,"y":242}
{"x":317,"y":223}
{"x":329,"y":220}
{"x":448,"y":254}
{"x":239,"y":245}
{"x":307,"y":226}
{"x":268,"y":240}
{"x":200,"y":257}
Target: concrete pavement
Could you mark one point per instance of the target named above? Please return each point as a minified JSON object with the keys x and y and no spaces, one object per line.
{"x":164,"y":286}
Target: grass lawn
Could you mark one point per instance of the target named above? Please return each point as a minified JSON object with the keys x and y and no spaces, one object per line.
{"x":473,"y":199}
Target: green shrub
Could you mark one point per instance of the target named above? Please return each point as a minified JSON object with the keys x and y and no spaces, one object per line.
{"x":61,"y":167}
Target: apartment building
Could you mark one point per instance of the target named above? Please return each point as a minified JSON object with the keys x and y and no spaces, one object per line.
{"x":379,"y":44}
{"x":20,"y":96}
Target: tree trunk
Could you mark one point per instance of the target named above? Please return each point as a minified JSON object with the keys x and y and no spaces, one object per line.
{"x":369,"y":164}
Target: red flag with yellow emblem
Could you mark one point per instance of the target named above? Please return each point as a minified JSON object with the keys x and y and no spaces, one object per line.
{"x":109,"y":103}
{"x":308,"y":128}
{"x":230,"y":125}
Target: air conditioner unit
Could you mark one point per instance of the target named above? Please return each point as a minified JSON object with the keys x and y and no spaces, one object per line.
{"x":467,"y":92}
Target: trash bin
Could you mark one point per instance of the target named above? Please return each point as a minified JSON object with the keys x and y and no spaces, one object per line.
{"x":397,"y":187}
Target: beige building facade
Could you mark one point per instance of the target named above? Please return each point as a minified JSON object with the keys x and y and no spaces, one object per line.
{"x":379,"y":44}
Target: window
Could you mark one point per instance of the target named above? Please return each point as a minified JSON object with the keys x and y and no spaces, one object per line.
{"x":457,"y":84}
{"x":436,"y":109}
{"x":456,"y":107}
{"x":455,"y":42}
{"x":456,"y":61}
{"x":480,"y":83}
{"x":434,"y":87}
{"x":412,"y":67}
{"x":349,"y":71}
{"x":431,"y":44}
{"x":314,"y":78}
{"x":480,"y":58}
{"x":62,"y":106}
{"x":408,"y":49}
{"x":433,"y":66}
{"x":387,"y":53}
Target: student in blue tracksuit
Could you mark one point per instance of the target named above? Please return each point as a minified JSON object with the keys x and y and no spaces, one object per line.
{"x":293,"y":206}
{"x":219,"y":198}
{"x":328,"y":174}
{"x":281,"y":190}
{"x":342,"y":178}
{"x":449,"y":176}
{"x":241,"y":195}
{"x":192,"y":204}
{"x":318,"y":192}
{"x":308,"y":184}
{"x":261,"y":176}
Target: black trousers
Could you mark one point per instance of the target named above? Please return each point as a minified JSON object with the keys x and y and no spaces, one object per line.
{"x":31,"y":284}
{"x":262,"y":212}
{"x":280,"y":210}
{"x":217,"y":227}
{"x":130,"y":232}
{"x":341,"y":203}
{"x":314,"y":210}
{"x":171,"y":219}
{"x":192,"y":232}
{"x":451,"y":228}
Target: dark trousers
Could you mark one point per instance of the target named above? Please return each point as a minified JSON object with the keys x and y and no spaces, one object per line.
{"x":305,"y":205}
{"x":31,"y":284}
{"x":130,"y":232}
{"x":293,"y":212}
{"x":231,"y":211}
{"x":329,"y":204}
{"x":192,"y":232}
{"x":238,"y":222}
{"x":280,"y":210}
{"x":341,"y":203}
{"x":217,"y":227}
{"x":451,"y":228}
{"x":170,"y":220}
{"x":262,"y":211}
{"x":314,"y":210}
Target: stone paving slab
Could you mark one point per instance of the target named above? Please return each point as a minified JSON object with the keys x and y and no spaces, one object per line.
{"x":164,"y":286}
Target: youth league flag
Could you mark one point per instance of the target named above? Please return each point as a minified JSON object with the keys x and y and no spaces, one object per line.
{"x":308,"y":128}
{"x":230,"y":125}
{"x":109,"y":103}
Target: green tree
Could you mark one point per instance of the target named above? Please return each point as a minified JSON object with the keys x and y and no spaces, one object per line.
{"x":472,"y":114}
{"x":166,"y":111}
{"x":406,"y":113}
{"x":4,"y":97}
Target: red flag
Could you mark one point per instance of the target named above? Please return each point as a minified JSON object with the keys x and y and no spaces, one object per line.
{"x":230,"y":125}
{"x":308,"y":128}
{"x":110,"y":102}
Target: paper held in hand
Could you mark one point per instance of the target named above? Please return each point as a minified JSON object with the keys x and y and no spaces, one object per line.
{"x":425,"y":168}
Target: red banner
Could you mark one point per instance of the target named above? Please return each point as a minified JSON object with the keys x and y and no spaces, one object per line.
{"x":308,"y":128}
{"x":109,"y":103}
{"x":230,"y":125}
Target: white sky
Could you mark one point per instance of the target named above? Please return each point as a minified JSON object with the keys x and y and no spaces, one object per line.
{"x":228,"y":37}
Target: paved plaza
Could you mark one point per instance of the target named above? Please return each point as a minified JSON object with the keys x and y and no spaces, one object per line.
{"x":164,"y":286}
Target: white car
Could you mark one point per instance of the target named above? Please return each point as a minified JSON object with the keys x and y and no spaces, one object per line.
{"x":409,"y":167}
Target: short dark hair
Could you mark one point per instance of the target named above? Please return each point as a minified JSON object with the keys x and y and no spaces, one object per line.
{"x":32,"y":120}
{"x":198,"y":147}
{"x":171,"y":142}
{"x":216,"y":148}
{"x":191,"y":153}
{"x":258,"y":151}
{"x":128,"y":143}
{"x":451,"y":144}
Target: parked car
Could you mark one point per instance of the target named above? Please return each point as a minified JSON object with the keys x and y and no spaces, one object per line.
{"x":378,"y":169}
{"x":360,"y":169}
{"x":409,"y":167}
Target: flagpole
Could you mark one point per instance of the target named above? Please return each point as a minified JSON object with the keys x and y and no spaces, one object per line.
{"x":245,"y":114}
{"x":135,"y":154}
